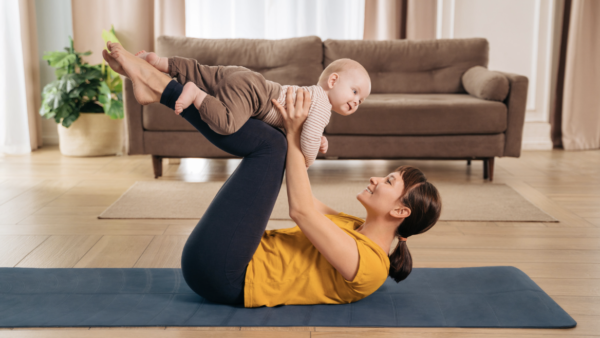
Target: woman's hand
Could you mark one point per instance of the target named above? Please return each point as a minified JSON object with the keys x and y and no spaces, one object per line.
{"x":296,"y":112}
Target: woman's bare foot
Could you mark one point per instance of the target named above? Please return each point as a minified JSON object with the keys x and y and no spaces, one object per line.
{"x":190,"y":94}
{"x":148,"y":82}
{"x":159,"y":63}
{"x":112,"y":63}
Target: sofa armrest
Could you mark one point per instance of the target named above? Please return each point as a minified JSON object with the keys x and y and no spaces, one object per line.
{"x":133,"y":119}
{"x":516,"y":102}
{"x":485,"y":84}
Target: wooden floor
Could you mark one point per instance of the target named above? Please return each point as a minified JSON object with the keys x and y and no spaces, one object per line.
{"x":49,"y":204}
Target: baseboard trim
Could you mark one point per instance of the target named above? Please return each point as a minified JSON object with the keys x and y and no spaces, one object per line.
{"x":50,"y":140}
{"x":536,"y":136}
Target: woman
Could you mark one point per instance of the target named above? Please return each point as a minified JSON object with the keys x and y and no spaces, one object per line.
{"x":329,"y":257}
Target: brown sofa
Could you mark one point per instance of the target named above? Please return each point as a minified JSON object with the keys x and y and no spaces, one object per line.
{"x":430,"y":99}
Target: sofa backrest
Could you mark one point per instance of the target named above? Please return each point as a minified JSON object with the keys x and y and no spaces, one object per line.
{"x":412,"y":66}
{"x":295,"y":61}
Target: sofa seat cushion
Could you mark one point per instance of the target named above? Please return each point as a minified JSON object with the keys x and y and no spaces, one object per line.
{"x":421,"y":114}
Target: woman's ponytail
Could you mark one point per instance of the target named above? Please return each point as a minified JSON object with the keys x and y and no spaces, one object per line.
{"x":400,"y":262}
{"x":425,"y":204}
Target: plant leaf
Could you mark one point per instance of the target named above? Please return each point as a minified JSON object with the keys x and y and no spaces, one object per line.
{"x":59,"y":72}
{"x":76,"y":92}
{"x":92,"y":73}
{"x":53,"y":97}
{"x":117,"y":86}
{"x":65,"y":110}
{"x":116,"y":110}
{"x":104,"y":92}
{"x":104,"y":96}
{"x":49,"y":87}
{"x":69,"y":119}
{"x":69,"y":81}
{"x":109,"y":36}
{"x":59,"y":59}
{"x":91,"y":91}
{"x":45,"y":109}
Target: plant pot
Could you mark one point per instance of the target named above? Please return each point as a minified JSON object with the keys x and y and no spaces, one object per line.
{"x":92,"y":134}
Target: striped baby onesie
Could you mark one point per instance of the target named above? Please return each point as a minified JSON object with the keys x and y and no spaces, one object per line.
{"x":318,"y":117}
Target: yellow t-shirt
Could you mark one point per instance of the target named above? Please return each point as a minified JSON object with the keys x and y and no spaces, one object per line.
{"x":288,"y":269}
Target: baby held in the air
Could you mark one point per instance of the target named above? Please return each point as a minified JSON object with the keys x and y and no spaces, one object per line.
{"x":226,"y":96}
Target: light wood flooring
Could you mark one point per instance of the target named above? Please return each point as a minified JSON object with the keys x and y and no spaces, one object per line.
{"x":49,"y":204}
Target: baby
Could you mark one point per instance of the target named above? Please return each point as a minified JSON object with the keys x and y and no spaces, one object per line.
{"x":237,"y":93}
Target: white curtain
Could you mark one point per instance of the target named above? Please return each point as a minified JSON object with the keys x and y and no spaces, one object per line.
{"x":14,"y":127}
{"x":275,"y":19}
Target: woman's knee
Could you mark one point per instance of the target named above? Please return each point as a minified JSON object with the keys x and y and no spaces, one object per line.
{"x":277,"y":142}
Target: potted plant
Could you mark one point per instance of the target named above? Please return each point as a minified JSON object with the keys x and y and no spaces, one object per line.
{"x":86,"y":102}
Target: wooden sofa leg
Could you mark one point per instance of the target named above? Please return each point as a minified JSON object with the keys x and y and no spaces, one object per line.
{"x":488,"y":168}
{"x":468,"y":162}
{"x":157,"y":164}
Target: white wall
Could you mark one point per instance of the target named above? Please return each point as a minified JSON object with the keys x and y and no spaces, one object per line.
{"x":521,"y":37}
{"x":54,"y":25}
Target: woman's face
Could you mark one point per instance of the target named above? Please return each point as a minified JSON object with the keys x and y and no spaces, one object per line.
{"x":381,"y":195}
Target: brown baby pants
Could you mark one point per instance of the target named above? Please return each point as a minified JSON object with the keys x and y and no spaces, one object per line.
{"x":235,"y":93}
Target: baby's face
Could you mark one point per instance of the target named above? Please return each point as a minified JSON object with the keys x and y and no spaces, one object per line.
{"x":347,"y":90}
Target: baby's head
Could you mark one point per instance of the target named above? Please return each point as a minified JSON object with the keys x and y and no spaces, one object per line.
{"x":347,"y":84}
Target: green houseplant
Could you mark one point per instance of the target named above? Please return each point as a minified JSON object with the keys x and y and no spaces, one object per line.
{"x":86,"y":102}
{"x":80,"y":87}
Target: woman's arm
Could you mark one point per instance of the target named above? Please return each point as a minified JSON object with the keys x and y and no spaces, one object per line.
{"x":322,"y":208}
{"x":333,"y":243}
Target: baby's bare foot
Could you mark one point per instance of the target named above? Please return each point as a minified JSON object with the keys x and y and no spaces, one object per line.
{"x":148,"y":82}
{"x":190,"y":94}
{"x":159,"y":63}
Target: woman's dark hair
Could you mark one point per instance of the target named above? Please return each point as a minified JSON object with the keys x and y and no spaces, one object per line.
{"x":425,"y":204}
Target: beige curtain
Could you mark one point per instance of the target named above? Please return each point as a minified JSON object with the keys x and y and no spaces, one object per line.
{"x":421,"y":19}
{"x":137,"y":25}
{"x":581,"y":98}
{"x":563,"y":13}
{"x":400,"y":19}
{"x":32,"y":71}
{"x":385,"y":19}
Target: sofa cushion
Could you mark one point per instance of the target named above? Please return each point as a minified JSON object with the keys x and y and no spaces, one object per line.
{"x":396,"y":147}
{"x":421,"y":114}
{"x":294,"y":61}
{"x":485,"y":84}
{"x":412,"y":66}
{"x":158,"y":117}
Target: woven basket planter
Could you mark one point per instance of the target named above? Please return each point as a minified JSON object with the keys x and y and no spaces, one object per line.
{"x":92,"y":134}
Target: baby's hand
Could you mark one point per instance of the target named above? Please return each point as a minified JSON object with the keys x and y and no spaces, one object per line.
{"x":324,"y":145}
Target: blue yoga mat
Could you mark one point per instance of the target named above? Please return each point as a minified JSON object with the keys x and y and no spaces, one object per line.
{"x":502,"y":297}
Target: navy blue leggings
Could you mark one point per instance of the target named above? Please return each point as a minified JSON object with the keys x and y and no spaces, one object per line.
{"x":217,"y":253}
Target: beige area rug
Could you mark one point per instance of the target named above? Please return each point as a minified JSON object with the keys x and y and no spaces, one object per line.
{"x":461,"y":202}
